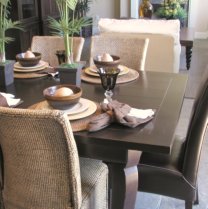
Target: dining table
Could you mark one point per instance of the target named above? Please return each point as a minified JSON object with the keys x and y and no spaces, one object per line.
{"x":118,"y":146}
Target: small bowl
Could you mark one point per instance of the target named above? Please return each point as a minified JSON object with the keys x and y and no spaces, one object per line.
{"x":62,"y":102}
{"x":30,"y":61}
{"x":102,"y":64}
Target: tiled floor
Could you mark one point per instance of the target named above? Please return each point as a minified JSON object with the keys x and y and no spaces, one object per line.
{"x":152,"y":201}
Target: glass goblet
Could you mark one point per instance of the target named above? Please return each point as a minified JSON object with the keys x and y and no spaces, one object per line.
{"x":108,"y":76}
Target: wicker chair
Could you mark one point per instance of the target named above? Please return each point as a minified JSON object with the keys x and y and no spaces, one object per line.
{"x":48,"y":45}
{"x":41,"y":168}
{"x":131,"y":49}
{"x":175,"y":175}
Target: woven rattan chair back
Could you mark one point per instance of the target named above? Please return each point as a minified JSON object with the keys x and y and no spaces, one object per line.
{"x":41,"y":165}
{"x":48,"y":46}
{"x":131,"y":49}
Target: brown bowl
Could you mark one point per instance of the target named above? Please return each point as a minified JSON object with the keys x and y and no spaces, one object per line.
{"x":102,"y":64}
{"x":62,"y":102}
{"x":30,"y":61}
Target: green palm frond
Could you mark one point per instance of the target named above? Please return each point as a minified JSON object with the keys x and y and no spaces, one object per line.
{"x":55,"y":25}
{"x":76,"y":26}
{"x":6,"y":40}
{"x":4,"y":2}
{"x":71,"y":4}
{"x":61,"y":27}
{"x":9,"y":24}
{"x":6,"y":24}
{"x":67,"y":26}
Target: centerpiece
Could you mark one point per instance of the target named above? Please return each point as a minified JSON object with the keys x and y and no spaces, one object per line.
{"x":66,"y":27}
{"x":6,"y":66}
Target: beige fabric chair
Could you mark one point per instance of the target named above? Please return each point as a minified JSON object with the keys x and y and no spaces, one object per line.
{"x":131,"y":49}
{"x":164,"y":48}
{"x":48,"y":45}
{"x":41,"y":167}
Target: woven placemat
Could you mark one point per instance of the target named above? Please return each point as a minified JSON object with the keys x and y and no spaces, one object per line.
{"x":130,"y":76}
{"x":35,"y":73}
{"x":77,"y":125}
{"x":29,"y":75}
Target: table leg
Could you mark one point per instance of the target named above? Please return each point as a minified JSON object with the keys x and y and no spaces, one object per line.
{"x":188,"y":56}
{"x":124,"y":181}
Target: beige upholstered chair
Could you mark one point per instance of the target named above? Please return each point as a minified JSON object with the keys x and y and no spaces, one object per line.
{"x":41,"y":168}
{"x":164,"y":48}
{"x":131,"y":49}
{"x":48,"y":45}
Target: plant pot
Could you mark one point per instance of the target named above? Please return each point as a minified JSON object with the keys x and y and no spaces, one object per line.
{"x":7,"y":73}
{"x":69,"y":74}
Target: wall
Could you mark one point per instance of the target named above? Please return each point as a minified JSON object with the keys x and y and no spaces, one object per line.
{"x":198,"y":18}
{"x":104,"y":8}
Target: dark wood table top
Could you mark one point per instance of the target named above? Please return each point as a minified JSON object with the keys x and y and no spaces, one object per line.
{"x":161,"y":91}
{"x":187,"y":36}
{"x":118,"y":146}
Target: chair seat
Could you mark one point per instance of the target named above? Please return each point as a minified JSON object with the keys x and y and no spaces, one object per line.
{"x":94,"y":191}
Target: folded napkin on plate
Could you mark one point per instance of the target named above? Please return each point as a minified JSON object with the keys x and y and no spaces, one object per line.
{"x":120,"y":113}
{"x":8,"y":100}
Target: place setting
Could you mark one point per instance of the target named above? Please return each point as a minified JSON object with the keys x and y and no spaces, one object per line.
{"x":113,"y":111}
{"x":68,"y":98}
{"x":91,"y":74}
{"x":30,"y":65}
{"x":85,"y":114}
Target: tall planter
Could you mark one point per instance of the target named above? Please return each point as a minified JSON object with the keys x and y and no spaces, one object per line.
{"x":7,"y":73}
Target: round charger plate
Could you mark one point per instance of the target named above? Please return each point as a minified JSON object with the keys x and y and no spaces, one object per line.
{"x":92,"y":107}
{"x":89,"y":111}
{"x":93,"y":68}
{"x":93,"y":72}
{"x":81,"y":106}
{"x":41,"y":65}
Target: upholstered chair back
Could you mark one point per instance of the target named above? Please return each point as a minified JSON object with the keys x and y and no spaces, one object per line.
{"x":48,"y":46}
{"x":41,"y":165}
{"x":196,"y":133}
{"x":163,"y":53}
{"x":131,"y":49}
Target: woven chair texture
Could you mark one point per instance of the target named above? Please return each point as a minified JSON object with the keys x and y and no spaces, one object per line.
{"x":48,"y":45}
{"x":131,"y":49}
{"x":41,"y":166}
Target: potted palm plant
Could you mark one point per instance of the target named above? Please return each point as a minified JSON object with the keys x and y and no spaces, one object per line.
{"x":6,"y":66}
{"x":66,"y":27}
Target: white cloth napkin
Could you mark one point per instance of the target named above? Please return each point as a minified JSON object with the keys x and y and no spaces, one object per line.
{"x":11,"y":100}
{"x":141,"y":113}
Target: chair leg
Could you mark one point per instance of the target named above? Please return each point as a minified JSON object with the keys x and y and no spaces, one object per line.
{"x":188,"y":204}
{"x":196,"y":201}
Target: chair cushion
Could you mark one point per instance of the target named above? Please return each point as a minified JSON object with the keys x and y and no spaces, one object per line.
{"x":94,"y":184}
